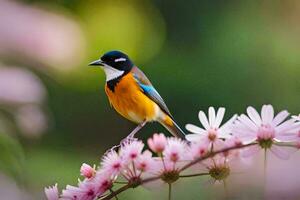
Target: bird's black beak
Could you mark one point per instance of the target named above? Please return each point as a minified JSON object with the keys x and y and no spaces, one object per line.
{"x":97,"y":62}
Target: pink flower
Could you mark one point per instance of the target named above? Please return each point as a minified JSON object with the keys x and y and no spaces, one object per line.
{"x":266,"y":130}
{"x":231,"y":142}
{"x":175,"y":151}
{"x":145,"y":162}
{"x":158,"y":143}
{"x":112,"y":163}
{"x":218,"y":168}
{"x":87,"y":171}
{"x":199,"y":149}
{"x":20,"y":86}
{"x":102,"y":181}
{"x":297,"y":118}
{"x":212,"y":130}
{"x":52,"y":193}
{"x":48,"y":31}
{"x":31,"y":120}
{"x":89,"y":190}
{"x":72,"y":193}
{"x":131,"y":151}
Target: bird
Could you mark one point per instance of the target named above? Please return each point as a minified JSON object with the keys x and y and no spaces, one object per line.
{"x":132,"y":95}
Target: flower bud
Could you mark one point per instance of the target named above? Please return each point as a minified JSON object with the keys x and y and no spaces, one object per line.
{"x":87,"y":171}
{"x":157,"y":143}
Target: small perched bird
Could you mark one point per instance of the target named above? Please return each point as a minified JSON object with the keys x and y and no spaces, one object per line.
{"x":132,"y":95}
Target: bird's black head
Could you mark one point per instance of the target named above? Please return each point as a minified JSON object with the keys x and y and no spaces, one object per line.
{"x":118,"y":60}
{"x":115,"y":64}
{"x":115,"y":59}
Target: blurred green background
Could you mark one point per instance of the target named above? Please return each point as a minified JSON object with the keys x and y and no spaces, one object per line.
{"x":197,"y":54}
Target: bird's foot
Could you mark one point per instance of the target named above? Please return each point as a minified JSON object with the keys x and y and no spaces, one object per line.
{"x":129,"y":139}
{"x":114,"y":148}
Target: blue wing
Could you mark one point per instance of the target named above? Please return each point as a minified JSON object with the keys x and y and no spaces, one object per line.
{"x":149,"y":90}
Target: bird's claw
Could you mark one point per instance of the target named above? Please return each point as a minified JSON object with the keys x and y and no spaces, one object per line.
{"x":129,"y":139}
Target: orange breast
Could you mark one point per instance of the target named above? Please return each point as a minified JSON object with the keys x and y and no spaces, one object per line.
{"x":128,"y":100}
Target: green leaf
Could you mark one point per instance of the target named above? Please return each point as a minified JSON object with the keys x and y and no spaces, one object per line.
{"x":11,"y":157}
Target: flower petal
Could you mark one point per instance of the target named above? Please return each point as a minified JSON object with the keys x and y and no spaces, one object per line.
{"x":228,"y":125}
{"x":195,"y":129}
{"x":194,"y":137}
{"x":254,"y":116}
{"x":287,"y":137}
{"x":287,"y":126}
{"x":250,"y":151}
{"x":296,"y":117}
{"x":219,"y":118}
{"x":203,"y":120}
{"x":280,"y":117}
{"x":211,"y":116}
{"x":282,"y":152}
{"x":245,"y":136}
{"x":267,"y":114}
{"x":247,"y":122}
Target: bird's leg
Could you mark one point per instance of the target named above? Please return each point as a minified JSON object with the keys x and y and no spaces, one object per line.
{"x":130,"y":137}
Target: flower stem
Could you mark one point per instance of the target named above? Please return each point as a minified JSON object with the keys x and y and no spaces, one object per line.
{"x":265,"y":168}
{"x":170,"y":191}
{"x":126,"y":187}
{"x":265,"y":163}
{"x":193,"y":175}
{"x":121,"y":182}
{"x":225,"y":189}
{"x":112,"y":193}
{"x":115,"y":193}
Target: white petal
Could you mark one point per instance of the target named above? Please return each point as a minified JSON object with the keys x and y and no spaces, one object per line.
{"x":242,"y":130}
{"x":245,"y":135}
{"x":267,"y":114}
{"x":287,"y":137}
{"x":211,"y":116}
{"x":280,"y":117}
{"x":194,"y":137}
{"x":224,"y":135}
{"x":227,"y":126}
{"x":254,"y":116}
{"x":296,"y":117}
{"x":219,"y":118}
{"x":194,"y":129}
{"x":247,"y":122}
{"x":263,"y":114}
{"x":286,"y":126}
{"x":203,"y":120}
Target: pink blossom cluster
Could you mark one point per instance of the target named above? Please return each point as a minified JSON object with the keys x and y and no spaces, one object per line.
{"x":171,"y":158}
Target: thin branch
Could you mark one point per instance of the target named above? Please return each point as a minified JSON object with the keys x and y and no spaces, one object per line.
{"x":116,"y":196}
{"x":121,"y":182}
{"x":126,"y":187}
{"x":115,"y":193}
{"x":193,"y":175}
{"x":212,"y":154}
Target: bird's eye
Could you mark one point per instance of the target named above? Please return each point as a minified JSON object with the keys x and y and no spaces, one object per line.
{"x":120,"y":59}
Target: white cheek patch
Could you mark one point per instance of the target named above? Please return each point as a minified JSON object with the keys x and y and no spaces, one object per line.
{"x":112,"y":73}
{"x":120,"y":59}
